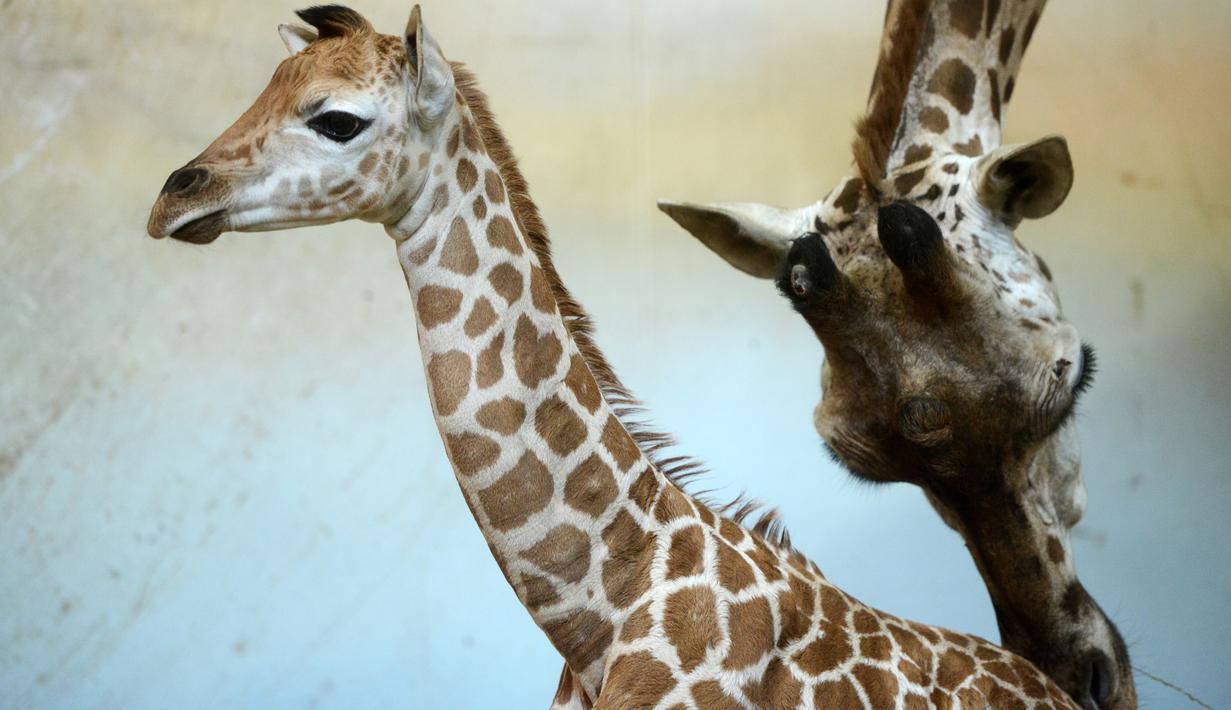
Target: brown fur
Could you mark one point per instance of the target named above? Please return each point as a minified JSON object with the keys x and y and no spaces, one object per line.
{"x":678,"y":469}
{"x":876,"y":129}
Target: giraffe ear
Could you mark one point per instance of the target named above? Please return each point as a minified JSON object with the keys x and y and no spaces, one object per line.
{"x":1027,"y":180}
{"x":430,"y":71}
{"x":295,"y":37}
{"x":751,"y":237}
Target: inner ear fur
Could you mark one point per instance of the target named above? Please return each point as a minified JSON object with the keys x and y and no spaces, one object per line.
{"x":1027,"y":180}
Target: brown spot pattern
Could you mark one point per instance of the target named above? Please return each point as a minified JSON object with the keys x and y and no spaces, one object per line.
{"x":507,"y":281}
{"x":954,"y":668}
{"x":449,"y":374}
{"x":440,"y":199}
{"x":559,"y":426}
{"x":880,"y":686}
{"x":581,"y":638}
{"x":690,"y":620}
{"x":501,"y":234}
{"x":637,"y":680}
{"x":540,"y":291}
{"x":591,"y":487}
{"x":777,"y":687}
{"x":905,"y":182}
{"x":671,"y":504}
{"x":1007,"y":36}
{"x":539,"y":592}
{"x":563,"y":552}
{"x":709,"y":694}
{"x":535,"y":356}
{"x":751,"y":628}
{"x":437,"y":305}
{"x":467,"y":175}
{"x":637,"y":624}
{"x":458,"y":254}
{"x":972,"y":147}
{"x":848,"y":199}
{"x":582,"y":384}
{"x":993,"y":82}
{"x":934,"y":119}
{"x":643,"y":490}
{"x":826,"y":652}
{"x":494,"y":187}
{"x":481,"y":317}
{"x":503,"y":416}
{"x":954,"y":81}
{"x":452,"y":143}
{"x":470,"y":134}
{"x":518,"y":494}
{"x":626,"y":571}
{"x":619,"y":444}
{"x":839,"y":693}
{"x":685,"y":556}
{"x":471,"y":452}
{"x":965,"y":16}
{"x":734,"y":572}
{"x":491,"y":365}
{"x":795,"y":608}
{"x":917,"y":152}
{"x":1055,"y":550}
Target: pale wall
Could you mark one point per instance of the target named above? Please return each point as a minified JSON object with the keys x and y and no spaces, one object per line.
{"x":219,"y":482}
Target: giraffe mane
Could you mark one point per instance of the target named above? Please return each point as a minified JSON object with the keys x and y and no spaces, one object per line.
{"x":876,"y":130}
{"x":679,"y":470}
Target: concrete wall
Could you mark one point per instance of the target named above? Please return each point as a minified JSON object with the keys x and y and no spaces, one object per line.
{"x":220,"y":485}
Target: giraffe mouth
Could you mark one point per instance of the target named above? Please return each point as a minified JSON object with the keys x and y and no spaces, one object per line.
{"x":203,"y":229}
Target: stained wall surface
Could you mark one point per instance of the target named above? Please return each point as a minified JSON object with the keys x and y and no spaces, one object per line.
{"x":220,"y":485}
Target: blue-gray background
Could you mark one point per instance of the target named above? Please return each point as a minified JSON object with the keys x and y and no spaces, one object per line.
{"x":220,"y":485}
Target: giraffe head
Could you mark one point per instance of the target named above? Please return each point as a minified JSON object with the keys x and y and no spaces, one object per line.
{"x":340,"y":132}
{"x":949,"y":364}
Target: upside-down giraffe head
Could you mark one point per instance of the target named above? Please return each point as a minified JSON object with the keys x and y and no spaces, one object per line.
{"x":948,"y":361}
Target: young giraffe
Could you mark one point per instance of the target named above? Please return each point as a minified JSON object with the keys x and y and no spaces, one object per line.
{"x":948,"y":363}
{"x":653,"y":599}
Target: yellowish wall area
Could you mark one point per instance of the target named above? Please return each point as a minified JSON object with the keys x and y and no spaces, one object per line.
{"x":220,"y":485}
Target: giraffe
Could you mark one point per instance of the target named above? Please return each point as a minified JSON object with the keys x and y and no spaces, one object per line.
{"x":653,"y":598}
{"x":948,"y":362}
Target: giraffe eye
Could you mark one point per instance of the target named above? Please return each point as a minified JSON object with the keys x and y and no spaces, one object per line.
{"x":338,"y":126}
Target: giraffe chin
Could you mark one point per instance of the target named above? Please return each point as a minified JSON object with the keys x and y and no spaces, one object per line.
{"x":202,"y":230}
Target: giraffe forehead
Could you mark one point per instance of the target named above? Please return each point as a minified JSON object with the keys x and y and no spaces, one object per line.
{"x":942,"y":185}
{"x":352,"y":63}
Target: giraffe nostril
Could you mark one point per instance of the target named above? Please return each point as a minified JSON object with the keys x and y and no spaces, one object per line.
{"x":1099,"y":679}
{"x":186,"y":181}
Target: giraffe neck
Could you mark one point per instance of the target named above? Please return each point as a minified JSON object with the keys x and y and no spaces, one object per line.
{"x":556,"y":483}
{"x":967,"y":63}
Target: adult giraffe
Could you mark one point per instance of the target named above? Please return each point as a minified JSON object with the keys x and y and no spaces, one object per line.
{"x":948,"y":363}
{"x":653,"y":598}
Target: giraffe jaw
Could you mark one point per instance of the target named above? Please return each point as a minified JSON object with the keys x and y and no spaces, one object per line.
{"x":203,"y":229}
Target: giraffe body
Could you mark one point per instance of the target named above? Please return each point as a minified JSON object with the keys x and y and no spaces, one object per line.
{"x":653,"y":599}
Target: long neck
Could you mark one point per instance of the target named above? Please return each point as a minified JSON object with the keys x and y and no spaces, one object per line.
{"x":967,"y":62}
{"x":557,"y":484}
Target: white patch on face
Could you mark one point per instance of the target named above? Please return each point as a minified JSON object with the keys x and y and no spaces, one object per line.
{"x":303,"y":177}
{"x":1055,"y":472}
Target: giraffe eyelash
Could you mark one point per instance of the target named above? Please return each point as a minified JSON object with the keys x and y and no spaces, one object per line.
{"x":1089,"y":366}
